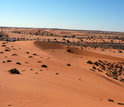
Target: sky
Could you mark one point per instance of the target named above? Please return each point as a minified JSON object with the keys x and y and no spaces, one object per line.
{"x":105,"y":15}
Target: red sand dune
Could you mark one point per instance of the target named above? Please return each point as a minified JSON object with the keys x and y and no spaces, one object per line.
{"x":75,"y":86}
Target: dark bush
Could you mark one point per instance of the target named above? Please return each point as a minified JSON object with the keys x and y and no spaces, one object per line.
{"x":68,"y":64}
{"x":38,"y":61}
{"x":14,"y":71}
{"x":35,"y":54}
{"x":30,"y":57}
{"x":14,"y":55}
{"x":1,"y":52}
{"x":7,"y":49}
{"x":4,"y":62}
{"x":120,"y":51}
{"x":3,"y":45}
{"x":57,"y":73}
{"x":18,"y":63}
{"x":69,"y":50}
{"x":45,"y":66}
{"x":8,"y":61}
{"x":94,"y":67}
{"x":28,"y":52}
{"x":110,"y":100}
{"x":120,"y":103}
{"x":89,"y":62}
{"x":96,"y":63}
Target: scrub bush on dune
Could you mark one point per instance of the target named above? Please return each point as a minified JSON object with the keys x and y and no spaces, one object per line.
{"x":45,"y":66}
{"x":14,"y":71}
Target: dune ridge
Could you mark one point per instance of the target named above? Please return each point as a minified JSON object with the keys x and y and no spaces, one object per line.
{"x":72,"y":86}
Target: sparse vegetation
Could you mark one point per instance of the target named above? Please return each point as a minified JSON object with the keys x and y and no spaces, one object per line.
{"x":27,"y":62}
{"x":30,"y":57}
{"x":3,"y":45}
{"x":89,"y":62}
{"x":35,"y":54}
{"x":111,"y":69}
{"x":14,"y":55}
{"x":36,"y":72}
{"x":7,"y":50}
{"x":18,"y":63}
{"x":3,"y":61}
{"x":120,"y":103}
{"x":8,"y":61}
{"x":14,"y":71}
{"x":1,"y":52}
{"x":120,"y":52}
{"x":69,"y":50}
{"x":57,"y":73}
{"x":38,"y":61}
{"x":28,"y":52}
{"x":110,"y":100}
{"x":44,"y":66}
{"x":68,"y":64}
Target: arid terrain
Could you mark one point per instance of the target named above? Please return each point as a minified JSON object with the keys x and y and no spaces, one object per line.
{"x":61,"y":68}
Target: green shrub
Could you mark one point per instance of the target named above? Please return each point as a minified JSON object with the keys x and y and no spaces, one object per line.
{"x":7,"y":50}
{"x":89,"y":62}
{"x":38,"y":61}
{"x":57,"y":73}
{"x":3,"y":45}
{"x":35,"y":54}
{"x":14,"y":71}
{"x":68,"y":50}
{"x":14,"y":54}
{"x":110,"y":100}
{"x":120,"y":103}
{"x":28,"y":52}
{"x":4,"y":62}
{"x":36,"y":72}
{"x":8,"y":61}
{"x":68,"y":64}
{"x":1,"y":52}
{"x":18,"y":63}
{"x":45,"y":66}
{"x":30,"y":57}
{"x":96,"y":63}
{"x":94,"y":67}
{"x":120,"y":51}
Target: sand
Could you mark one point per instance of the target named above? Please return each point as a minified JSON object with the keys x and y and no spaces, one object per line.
{"x":58,"y":85}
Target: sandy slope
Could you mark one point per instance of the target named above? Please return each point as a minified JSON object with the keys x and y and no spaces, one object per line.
{"x":75,"y":86}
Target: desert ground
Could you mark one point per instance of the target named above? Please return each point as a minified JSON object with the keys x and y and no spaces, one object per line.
{"x":61,"y":68}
